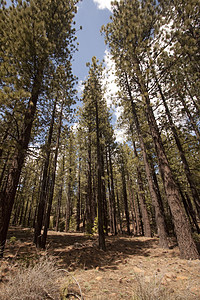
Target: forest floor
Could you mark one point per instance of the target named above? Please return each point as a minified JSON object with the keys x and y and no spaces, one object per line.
{"x":130,"y":266}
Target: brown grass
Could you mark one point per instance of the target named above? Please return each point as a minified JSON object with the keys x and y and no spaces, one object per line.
{"x":132,"y":268}
{"x":38,"y":281}
{"x":152,"y":290}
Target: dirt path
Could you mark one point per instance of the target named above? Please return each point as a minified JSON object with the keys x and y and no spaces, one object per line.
{"x":129,"y":263}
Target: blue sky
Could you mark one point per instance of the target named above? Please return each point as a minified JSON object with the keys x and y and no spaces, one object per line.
{"x":91,"y":42}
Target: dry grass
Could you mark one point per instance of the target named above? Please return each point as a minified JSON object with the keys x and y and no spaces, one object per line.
{"x":131,"y":268}
{"x":152,"y":290}
{"x":39,"y":281}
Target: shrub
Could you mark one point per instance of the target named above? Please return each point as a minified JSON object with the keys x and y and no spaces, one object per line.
{"x":152,"y":290}
{"x":39,"y":281}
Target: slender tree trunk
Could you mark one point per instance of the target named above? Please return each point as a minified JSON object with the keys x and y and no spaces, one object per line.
{"x":8,"y":195}
{"x":60,"y":195}
{"x":189,"y":115}
{"x":192,"y":213}
{"x":43,"y":192}
{"x":3,"y":172}
{"x":89,"y":208}
{"x":69,"y":192}
{"x":160,"y":222}
{"x":180,"y":149}
{"x":49,"y":203}
{"x":105,"y":207}
{"x":4,"y":140}
{"x":58,"y":209}
{"x":78,"y":204}
{"x":186,"y":243}
{"x":102,"y":244}
{"x":131,"y":206}
{"x":196,"y":104}
{"x":109,"y":197}
{"x":125,"y":199}
{"x":118,"y":211}
{"x":68,"y":204}
{"x":142,"y":202}
{"x":136,"y":209}
{"x":113,"y":204}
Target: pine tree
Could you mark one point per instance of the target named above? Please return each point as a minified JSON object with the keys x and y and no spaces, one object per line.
{"x":130,"y":37}
{"x":94,"y":104}
{"x":42,"y":35}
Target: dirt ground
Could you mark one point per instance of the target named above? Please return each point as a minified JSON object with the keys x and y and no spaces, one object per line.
{"x":129,"y":264}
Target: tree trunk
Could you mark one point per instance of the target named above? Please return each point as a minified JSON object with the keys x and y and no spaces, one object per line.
{"x":49,"y":203}
{"x":78,"y":204}
{"x":136,"y":210}
{"x":160,"y":222}
{"x":118,"y":211}
{"x":60,"y":195}
{"x":89,"y":210}
{"x":113,"y":204}
{"x":105,"y":207}
{"x":125,"y":199}
{"x":8,"y":195}
{"x":102,"y":244}
{"x":186,"y":243}
{"x":43,"y":192}
{"x":109,"y":197}
{"x":180,"y":149}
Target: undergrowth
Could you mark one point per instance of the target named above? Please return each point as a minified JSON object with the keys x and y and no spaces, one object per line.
{"x":152,"y":291}
{"x":38,"y":281}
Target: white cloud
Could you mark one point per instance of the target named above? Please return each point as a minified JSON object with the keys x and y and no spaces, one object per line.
{"x":80,"y":87}
{"x":111,"y":95}
{"x":109,"y":81}
{"x":103,"y":4}
{"x":120,"y":135}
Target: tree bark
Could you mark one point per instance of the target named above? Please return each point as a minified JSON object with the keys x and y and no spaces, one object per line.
{"x":160,"y":222}
{"x":60,"y":195}
{"x":113,"y":204}
{"x":186,"y":167}
{"x":43,"y":192}
{"x":8,"y":195}
{"x":53,"y":178}
{"x":125,"y":198}
{"x":102,"y":244}
{"x":78,"y":204}
{"x":187,"y":247}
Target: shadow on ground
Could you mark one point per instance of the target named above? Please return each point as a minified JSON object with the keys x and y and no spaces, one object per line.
{"x":77,"y":251}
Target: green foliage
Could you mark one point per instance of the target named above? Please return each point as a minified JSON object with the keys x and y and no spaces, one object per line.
{"x":95,"y":227}
{"x":62,"y":225}
{"x":89,"y":229}
{"x":12,"y":239}
{"x":72,"y":223}
{"x":196,"y":237}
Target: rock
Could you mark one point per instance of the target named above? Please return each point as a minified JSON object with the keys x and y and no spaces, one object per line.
{"x":147,"y":279}
{"x":181,"y":277}
{"x":99,"y":278}
{"x":77,"y":246}
{"x":170,"y":275}
{"x":158,"y":270}
{"x":164,"y":281}
{"x":138,"y":270}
